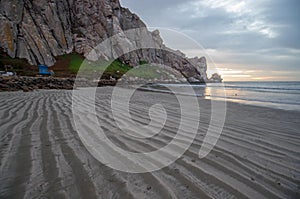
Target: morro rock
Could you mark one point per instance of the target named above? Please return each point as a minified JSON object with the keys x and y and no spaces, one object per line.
{"x":40,"y":30}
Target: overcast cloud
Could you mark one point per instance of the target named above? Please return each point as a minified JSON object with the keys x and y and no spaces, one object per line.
{"x":248,"y":40}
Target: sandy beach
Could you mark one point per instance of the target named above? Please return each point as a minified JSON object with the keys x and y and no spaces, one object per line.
{"x":257,"y":155}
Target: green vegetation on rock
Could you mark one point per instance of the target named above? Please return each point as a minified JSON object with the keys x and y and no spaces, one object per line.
{"x":68,"y":65}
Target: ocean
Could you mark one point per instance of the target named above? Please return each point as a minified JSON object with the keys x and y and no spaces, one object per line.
{"x":281,"y":95}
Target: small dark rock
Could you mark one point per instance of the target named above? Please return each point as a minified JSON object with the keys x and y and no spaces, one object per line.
{"x":4,"y":86}
{"x":25,"y":89}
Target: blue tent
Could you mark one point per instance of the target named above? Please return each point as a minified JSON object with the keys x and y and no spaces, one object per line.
{"x":43,"y":70}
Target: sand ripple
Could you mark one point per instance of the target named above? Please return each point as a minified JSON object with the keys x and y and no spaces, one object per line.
{"x":257,"y":156}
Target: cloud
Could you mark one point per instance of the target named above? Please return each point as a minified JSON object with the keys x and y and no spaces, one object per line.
{"x":245,"y":15}
{"x":239,"y":34}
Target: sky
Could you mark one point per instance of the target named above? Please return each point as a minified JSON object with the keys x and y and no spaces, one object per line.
{"x":248,"y":40}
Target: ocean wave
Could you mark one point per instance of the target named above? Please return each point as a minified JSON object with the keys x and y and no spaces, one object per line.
{"x":246,"y":94}
{"x":256,"y":87}
{"x":257,"y":100}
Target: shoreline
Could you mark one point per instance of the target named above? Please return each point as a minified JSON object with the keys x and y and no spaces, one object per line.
{"x":263,"y":104}
{"x":228,"y":100}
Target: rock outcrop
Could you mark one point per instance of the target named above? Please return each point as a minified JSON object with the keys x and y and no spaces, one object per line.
{"x":215,"y":78}
{"x":201,"y":66}
{"x":40,"y":30}
{"x":26,"y":84}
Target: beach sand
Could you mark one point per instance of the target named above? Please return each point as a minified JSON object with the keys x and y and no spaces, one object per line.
{"x":257,"y":155}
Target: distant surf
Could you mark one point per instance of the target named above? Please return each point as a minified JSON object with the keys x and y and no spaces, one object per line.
{"x":282,"y":95}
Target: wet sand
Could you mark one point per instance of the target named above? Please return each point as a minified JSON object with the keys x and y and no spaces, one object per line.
{"x":257,"y":155}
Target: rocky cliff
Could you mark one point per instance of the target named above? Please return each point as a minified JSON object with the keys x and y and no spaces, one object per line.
{"x":40,"y":30}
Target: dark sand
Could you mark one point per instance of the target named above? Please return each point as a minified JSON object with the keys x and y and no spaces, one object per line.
{"x":257,"y":155}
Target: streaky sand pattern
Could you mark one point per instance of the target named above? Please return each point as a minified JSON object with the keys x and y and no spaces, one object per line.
{"x":257,"y":155}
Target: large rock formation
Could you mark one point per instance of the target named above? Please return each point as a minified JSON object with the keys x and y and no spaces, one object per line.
{"x":40,"y":30}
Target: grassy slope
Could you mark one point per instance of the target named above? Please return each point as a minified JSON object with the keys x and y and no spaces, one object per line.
{"x":69,"y":64}
{"x":114,"y":69}
{"x":21,"y":66}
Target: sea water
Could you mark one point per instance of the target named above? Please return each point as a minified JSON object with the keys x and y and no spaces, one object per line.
{"x":282,"y":95}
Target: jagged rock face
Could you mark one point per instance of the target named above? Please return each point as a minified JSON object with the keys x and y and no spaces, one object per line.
{"x":36,"y":30}
{"x":39,"y":30}
{"x":201,"y":66}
